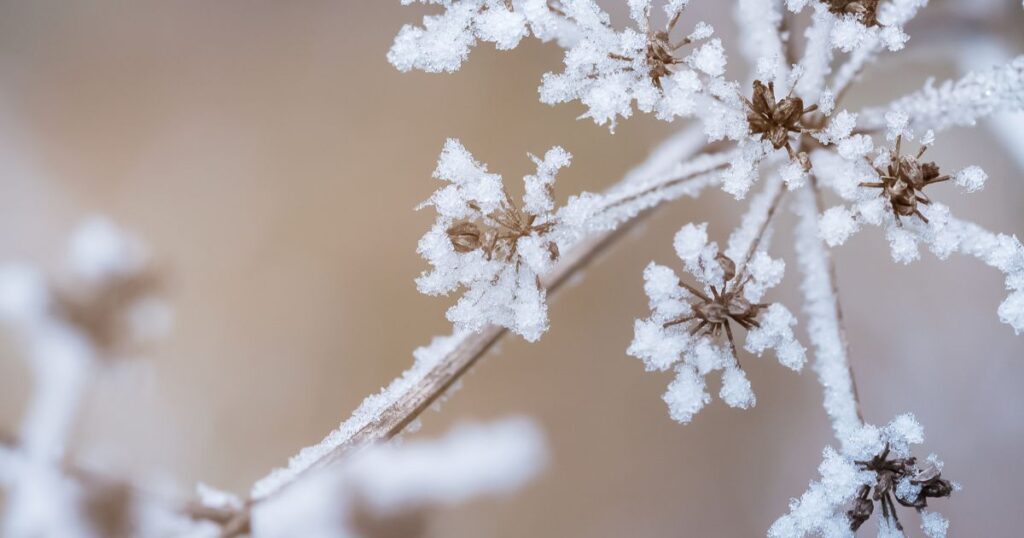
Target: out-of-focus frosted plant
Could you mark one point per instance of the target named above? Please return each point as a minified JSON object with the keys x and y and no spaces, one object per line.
{"x":101,"y":309}
{"x":378,"y":485}
{"x":783,"y":126}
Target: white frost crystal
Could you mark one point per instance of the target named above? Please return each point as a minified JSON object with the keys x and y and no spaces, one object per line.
{"x":444,"y":41}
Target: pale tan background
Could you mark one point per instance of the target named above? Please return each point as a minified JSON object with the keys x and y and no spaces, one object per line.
{"x":272,"y":158}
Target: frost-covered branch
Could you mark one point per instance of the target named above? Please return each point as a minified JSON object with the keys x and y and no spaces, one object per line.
{"x":825,"y":318}
{"x":386,"y":481}
{"x":959,"y":102}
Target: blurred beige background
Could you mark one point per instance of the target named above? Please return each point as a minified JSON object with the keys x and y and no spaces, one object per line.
{"x":272,"y":158}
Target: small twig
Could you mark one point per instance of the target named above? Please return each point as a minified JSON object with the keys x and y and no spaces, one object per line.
{"x":772,"y":208}
{"x":834,"y":282}
{"x":825,"y":322}
{"x":662,"y":186}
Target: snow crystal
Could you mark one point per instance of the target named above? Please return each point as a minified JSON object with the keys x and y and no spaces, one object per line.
{"x":837,"y":224}
{"x":736,"y":391}
{"x":443,"y":43}
{"x":690,"y":241}
{"x":686,"y":395}
{"x":709,"y":58}
{"x":776,"y":332}
{"x":902,"y":245}
{"x":934,"y":525}
{"x":972,"y":178}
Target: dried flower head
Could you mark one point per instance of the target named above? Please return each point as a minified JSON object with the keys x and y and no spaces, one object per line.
{"x":691,"y":326}
{"x":487,"y":243}
{"x":866,"y":11}
{"x":904,"y":178}
{"x":775,"y":120}
{"x":497,"y":234}
{"x":875,"y":466}
{"x":660,"y":51}
{"x":711,"y":314}
{"x":911,"y":484}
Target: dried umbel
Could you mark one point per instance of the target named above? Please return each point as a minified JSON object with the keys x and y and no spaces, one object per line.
{"x":712,"y":314}
{"x":865,"y":10}
{"x":660,"y":51}
{"x":775,"y":120}
{"x":500,"y":240}
{"x":903,"y":180}
{"x":911,"y":484}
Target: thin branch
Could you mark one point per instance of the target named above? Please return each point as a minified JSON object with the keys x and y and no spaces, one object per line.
{"x":825,"y":320}
{"x":747,"y":239}
{"x":819,"y":204}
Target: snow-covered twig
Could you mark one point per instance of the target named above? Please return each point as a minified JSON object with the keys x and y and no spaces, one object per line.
{"x":962,"y":102}
{"x":825,"y":318}
{"x":385,"y":481}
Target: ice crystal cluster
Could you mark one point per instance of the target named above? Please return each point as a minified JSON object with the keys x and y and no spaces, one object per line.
{"x":782,"y":131}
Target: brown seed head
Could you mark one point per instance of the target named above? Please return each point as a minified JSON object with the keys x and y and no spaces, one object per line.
{"x":865,"y":10}
{"x":903,"y":180}
{"x":775,"y":120}
{"x":465,"y":236}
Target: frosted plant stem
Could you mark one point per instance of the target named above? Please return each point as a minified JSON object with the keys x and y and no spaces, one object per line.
{"x":1006,"y":127}
{"x":825,"y":319}
{"x":774,"y":191}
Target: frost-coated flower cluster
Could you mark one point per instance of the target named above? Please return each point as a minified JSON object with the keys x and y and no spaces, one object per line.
{"x":691,"y":327}
{"x":885,"y":188}
{"x":867,"y":480}
{"x":486,"y":242}
{"x":656,"y":68}
{"x":609,"y":71}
